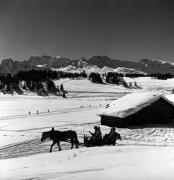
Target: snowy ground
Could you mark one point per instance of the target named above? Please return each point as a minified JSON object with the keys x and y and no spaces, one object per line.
{"x":23,"y":156}
{"x":121,"y":162}
{"x":149,"y":83}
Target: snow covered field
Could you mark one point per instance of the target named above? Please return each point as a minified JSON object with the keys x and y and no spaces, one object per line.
{"x":121,"y":162}
{"x":23,"y":156}
{"x":149,"y":83}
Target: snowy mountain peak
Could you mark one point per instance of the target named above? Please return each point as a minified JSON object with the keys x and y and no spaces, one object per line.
{"x":104,"y":63}
{"x":123,"y":70}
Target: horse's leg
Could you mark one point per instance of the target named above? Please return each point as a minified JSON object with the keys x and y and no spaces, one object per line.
{"x":76,"y":142}
{"x":86,"y":143}
{"x":72,"y":143}
{"x":52,"y":146}
{"x":58,"y":144}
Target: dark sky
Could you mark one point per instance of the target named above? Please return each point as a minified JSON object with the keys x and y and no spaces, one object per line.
{"x":121,"y":29}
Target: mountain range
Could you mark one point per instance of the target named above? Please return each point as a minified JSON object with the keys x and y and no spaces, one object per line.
{"x":9,"y":66}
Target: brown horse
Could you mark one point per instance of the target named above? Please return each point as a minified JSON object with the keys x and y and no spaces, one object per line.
{"x":57,"y":136}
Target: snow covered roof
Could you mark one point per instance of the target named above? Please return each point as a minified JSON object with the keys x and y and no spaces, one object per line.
{"x":132,"y":103}
{"x":169,"y":98}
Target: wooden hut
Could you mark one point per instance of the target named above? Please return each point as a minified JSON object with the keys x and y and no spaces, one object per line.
{"x":137,"y":109}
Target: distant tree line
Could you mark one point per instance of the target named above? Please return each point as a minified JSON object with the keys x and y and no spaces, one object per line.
{"x":154,"y":75}
{"x":42,"y":81}
{"x":110,"y":78}
{"x":162,"y":76}
{"x":38,"y":81}
{"x":135,"y":75}
{"x":95,"y":78}
{"x":8,"y":84}
{"x":114,"y":78}
{"x":45,"y":74}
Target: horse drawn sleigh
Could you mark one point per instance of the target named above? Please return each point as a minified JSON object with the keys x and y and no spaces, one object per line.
{"x":71,"y":137}
{"x":108,"y":139}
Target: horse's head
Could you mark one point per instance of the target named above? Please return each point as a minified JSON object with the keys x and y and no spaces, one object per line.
{"x":45,"y":135}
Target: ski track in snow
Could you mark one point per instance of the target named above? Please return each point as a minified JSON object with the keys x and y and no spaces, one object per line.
{"x":143,"y":137}
{"x":34,"y":146}
{"x":30,"y":147}
{"x":62,"y":111}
